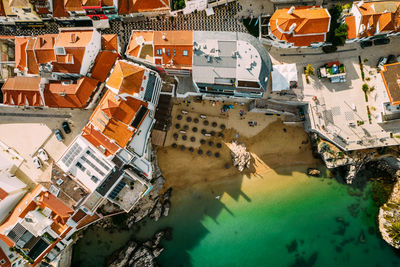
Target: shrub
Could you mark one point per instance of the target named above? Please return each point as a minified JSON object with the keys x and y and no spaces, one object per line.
{"x":365,"y":87}
{"x":329,"y":49}
{"x":179,"y":4}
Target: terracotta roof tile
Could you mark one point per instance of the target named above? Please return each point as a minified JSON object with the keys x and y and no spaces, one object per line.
{"x":44,"y":48}
{"x":21,"y":91}
{"x":56,"y":205}
{"x":134,"y":47}
{"x":3,"y":256}
{"x":3,"y":194}
{"x":113,"y":117}
{"x":107,"y":3}
{"x":311,"y":21}
{"x":73,"y":5}
{"x":126,"y":78}
{"x":351,"y":30}
{"x":132,"y":6}
{"x":32,"y":64}
{"x":104,"y":62}
{"x":391,"y":76}
{"x":20,"y":54}
{"x":58,"y":9}
{"x":90,"y":3}
{"x":71,"y":95}
{"x":109,"y":42}
{"x":98,"y":139}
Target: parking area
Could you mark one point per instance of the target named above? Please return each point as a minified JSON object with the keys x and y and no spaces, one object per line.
{"x":27,"y":134}
{"x":341,"y":111}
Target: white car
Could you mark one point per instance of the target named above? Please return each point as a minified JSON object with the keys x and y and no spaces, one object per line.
{"x":37,"y":162}
{"x":43,"y":155}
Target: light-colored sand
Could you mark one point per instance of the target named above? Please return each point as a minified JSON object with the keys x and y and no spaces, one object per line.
{"x":271,"y":147}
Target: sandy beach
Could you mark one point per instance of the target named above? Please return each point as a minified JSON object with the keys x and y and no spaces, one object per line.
{"x":271,"y":143}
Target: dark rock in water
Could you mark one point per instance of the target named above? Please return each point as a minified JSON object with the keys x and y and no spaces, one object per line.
{"x":339,"y":219}
{"x":338,"y":249}
{"x":140,"y":255}
{"x":166,"y":207}
{"x":302,"y":261}
{"x":354,"y":209}
{"x":313,"y":172}
{"x":371,"y":230}
{"x":292,"y":247}
{"x":361,"y":237}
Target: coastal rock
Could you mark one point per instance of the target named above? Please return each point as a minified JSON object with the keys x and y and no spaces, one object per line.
{"x":166,"y":207}
{"x":141,"y":255}
{"x":314,"y":172}
{"x":240,"y":156}
{"x":157,"y":211}
{"x":389,"y":216}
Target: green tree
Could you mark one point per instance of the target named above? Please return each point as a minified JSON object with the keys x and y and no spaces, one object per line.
{"x":309,"y":70}
{"x":340,"y":34}
{"x":394,"y":231}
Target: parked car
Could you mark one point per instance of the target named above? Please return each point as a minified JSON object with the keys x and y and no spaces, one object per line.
{"x":37,"y":162}
{"x":381,"y":41}
{"x":366,"y":44}
{"x":65,"y":127}
{"x":391,"y":59}
{"x":43,"y":155}
{"x":382,"y":61}
{"x":59,"y":135}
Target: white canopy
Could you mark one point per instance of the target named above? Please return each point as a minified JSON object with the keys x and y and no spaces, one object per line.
{"x":282,"y":75}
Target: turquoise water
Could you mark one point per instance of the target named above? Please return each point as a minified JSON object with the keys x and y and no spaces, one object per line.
{"x":285,"y":219}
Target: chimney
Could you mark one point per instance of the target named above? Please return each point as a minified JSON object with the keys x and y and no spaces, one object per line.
{"x":164,"y":37}
{"x":74,"y":38}
{"x":41,"y":41}
{"x":290,"y":11}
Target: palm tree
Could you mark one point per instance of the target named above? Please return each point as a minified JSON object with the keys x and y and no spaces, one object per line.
{"x":394,"y":231}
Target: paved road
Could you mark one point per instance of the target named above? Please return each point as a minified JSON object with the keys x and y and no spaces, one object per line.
{"x":38,"y":115}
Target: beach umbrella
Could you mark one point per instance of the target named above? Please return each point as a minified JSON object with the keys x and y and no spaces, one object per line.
{"x":179,"y":117}
{"x":206,"y":122}
{"x":194,"y":129}
{"x":175,"y":136}
{"x":219,"y":145}
{"x":189,"y":119}
{"x":192,"y":139}
{"x":210,"y":143}
{"x":227,"y":165}
{"x":174,"y":145}
{"x":184,"y":137}
{"x":200,"y":152}
{"x":214,"y":124}
{"x":209,"y":153}
{"x":222,"y":126}
{"x":202,"y":141}
{"x":221,"y":135}
{"x":212,"y":133}
{"x":203,"y":131}
{"x":186,"y":127}
{"x":177,"y":126}
{"x":217,"y":155}
{"x":183,"y":147}
{"x":196,"y":120}
{"x":191,"y":149}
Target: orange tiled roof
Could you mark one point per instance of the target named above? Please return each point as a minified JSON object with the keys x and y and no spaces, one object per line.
{"x":87,"y":220}
{"x":132,"y":6}
{"x":351,"y":24}
{"x":20,"y":54}
{"x":133,"y":47}
{"x":73,"y":5}
{"x":71,"y":95}
{"x":178,"y":41}
{"x":109,"y":42}
{"x":107,"y":3}
{"x":62,"y":211}
{"x":102,"y":66}
{"x":126,"y":78}
{"x":24,"y":206}
{"x":44,"y":48}
{"x":22,"y":90}
{"x":98,"y":139}
{"x":310,"y":20}
{"x":113,"y":117}
{"x":2,"y":11}
{"x":385,"y":14}
{"x":32,"y":64}
{"x":3,"y":194}
{"x":59,"y":9}
{"x":88,"y":3}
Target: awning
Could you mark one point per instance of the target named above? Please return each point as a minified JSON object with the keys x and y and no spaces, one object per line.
{"x":209,"y":11}
{"x":282,"y":75}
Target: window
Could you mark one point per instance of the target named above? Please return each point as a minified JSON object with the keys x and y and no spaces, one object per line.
{"x":2,"y":262}
{"x":60,"y":51}
{"x":174,"y":52}
{"x":159,"y":52}
{"x":185,"y":53}
{"x":80,"y":166}
{"x":94,"y":179}
{"x":169,"y":52}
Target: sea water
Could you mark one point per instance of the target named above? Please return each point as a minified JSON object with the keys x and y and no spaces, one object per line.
{"x":282,"y":218}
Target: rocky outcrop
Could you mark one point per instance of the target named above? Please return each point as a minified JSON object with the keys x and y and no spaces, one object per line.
{"x":389,"y":216}
{"x":140,"y":254}
{"x":313,"y":172}
{"x":240,"y":156}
